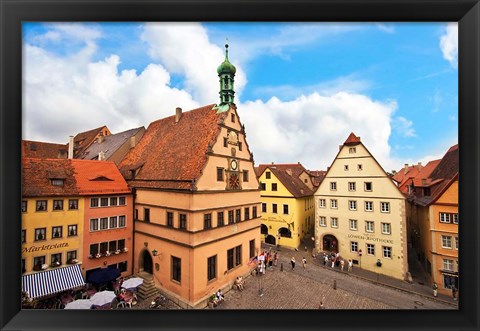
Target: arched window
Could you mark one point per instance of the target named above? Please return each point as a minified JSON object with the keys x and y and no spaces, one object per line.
{"x":263,"y":229}
{"x":284,"y":232}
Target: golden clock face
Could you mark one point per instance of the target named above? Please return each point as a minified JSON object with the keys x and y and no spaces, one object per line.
{"x":234,"y":165}
{"x":234,"y":182}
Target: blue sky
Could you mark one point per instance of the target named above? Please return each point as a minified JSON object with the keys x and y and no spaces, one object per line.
{"x":301,"y":88}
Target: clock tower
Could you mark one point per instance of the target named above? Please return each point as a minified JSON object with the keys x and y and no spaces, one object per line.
{"x":226,"y":72}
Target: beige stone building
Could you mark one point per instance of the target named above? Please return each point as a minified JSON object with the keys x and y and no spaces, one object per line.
{"x":197,"y":199}
{"x":360,"y":212}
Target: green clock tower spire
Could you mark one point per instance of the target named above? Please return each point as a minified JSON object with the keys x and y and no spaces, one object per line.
{"x":226,"y":73}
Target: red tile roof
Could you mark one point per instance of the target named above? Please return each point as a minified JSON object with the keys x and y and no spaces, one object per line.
{"x":79,"y":177}
{"x":441,"y":177}
{"x":172,"y":155}
{"x":352,"y":139}
{"x":288,"y":174}
{"x":38,"y":149}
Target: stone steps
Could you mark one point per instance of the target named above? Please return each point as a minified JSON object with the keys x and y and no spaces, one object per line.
{"x":148,"y":288}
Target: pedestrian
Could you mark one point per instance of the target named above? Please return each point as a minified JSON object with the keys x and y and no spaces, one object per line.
{"x":435,"y":288}
{"x":275,"y":259}
{"x":325,"y":259}
{"x":342,"y":264}
{"x":292,"y":261}
{"x":304,"y":262}
{"x":306,"y":249}
{"x":454,"y":292}
{"x":350,"y":265}
{"x":321,"y":305}
{"x":333,"y":263}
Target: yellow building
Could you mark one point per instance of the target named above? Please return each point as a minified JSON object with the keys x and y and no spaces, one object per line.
{"x":52,"y":227}
{"x":434,"y":208}
{"x":360,"y":212}
{"x":287,"y":203}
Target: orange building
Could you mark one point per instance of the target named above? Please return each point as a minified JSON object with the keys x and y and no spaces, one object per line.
{"x":434,"y":213}
{"x":196,"y":199}
{"x":108,"y":216}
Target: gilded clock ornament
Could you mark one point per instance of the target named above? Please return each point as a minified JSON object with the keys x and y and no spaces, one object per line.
{"x":233,"y":164}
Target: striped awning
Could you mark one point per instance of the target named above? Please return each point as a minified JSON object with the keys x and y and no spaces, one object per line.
{"x":53,"y":281}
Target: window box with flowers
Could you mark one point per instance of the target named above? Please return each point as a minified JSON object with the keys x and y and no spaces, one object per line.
{"x":55,"y":264}
{"x":72,"y":261}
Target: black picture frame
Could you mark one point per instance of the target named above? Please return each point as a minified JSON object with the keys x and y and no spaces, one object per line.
{"x":14,"y":12}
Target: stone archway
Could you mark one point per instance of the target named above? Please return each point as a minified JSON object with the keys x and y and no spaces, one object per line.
{"x":269,"y":239}
{"x":330,"y":243}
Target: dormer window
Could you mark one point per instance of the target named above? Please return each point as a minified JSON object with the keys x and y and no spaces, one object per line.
{"x":352,"y":150}
{"x":57,"y":182}
{"x":233,"y":118}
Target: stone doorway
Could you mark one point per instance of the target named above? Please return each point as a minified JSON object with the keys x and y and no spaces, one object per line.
{"x":330,"y":243}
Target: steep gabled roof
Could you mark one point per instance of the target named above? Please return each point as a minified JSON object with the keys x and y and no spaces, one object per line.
{"x":352,"y":139}
{"x":84,"y":139}
{"x":78,"y":177}
{"x":171,"y":155}
{"x":441,"y":177}
{"x":288,"y":174}
{"x":39,"y":149}
{"x":109,"y":145}
{"x":318,"y":176}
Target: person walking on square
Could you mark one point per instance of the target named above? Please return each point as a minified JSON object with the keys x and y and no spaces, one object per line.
{"x":342,"y":264}
{"x":321,"y":305}
{"x":275,"y":259}
{"x":435,"y":288}
{"x":292,"y":261}
{"x":350,"y":265}
{"x":304,"y":262}
{"x":325,"y":259}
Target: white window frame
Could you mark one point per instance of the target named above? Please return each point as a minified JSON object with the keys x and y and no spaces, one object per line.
{"x":386,"y":225}
{"x":322,"y":203}
{"x":445,"y":218}
{"x":384,"y":207}
{"x":354,"y":246}
{"x":333,"y":203}
{"x":352,"y":204}
{"x":447,"y":264}
{"x":95,"y":223}
{"x":334,"y":222}
{"x":353,"y":224}
{"x":387,"y":252}
{"x":369,"y":203}
{"x":447,"y":242}
{"x":371,"y":247}
{"x":333,"y":186}
{"x":455,"y":218}
{"x":322,"y":221}
{"x":368,"y":228}
{"x":352,"y":187}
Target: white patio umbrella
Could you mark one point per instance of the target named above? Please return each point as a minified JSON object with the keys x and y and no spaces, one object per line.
{"x":132,"y":282}
{"x":102,"y":298}
{"x":79,"y":304}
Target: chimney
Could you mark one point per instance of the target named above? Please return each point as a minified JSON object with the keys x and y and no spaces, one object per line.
{"x":406,"y":168}
{"x":101,"y":156}
{"x":70,"y":148}
{"x":178,"y":114}
{"x":132,"y":141}
{"x":100,"y":138}
{"x":419,"y":166}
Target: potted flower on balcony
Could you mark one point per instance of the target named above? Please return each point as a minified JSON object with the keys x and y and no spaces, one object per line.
{"x":37,"y":267}
{"x":90,"y":256}
{"x":125,"y":249}
{"x":117,"y":251}
{"x":72,"y":261}
{"x":107,"y":253}
{"x":98,"y":255}
{"x":44,"y":266}
{"x":55,"y":263}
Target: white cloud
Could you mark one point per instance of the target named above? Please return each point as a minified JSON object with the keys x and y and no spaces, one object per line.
{"x":403,"y":126}
{"x":184,"y":48}
{"x":385,"y":28}
{"x":310,"y":128}
{"x":436,"y":99}
{"x":449,"y":44}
